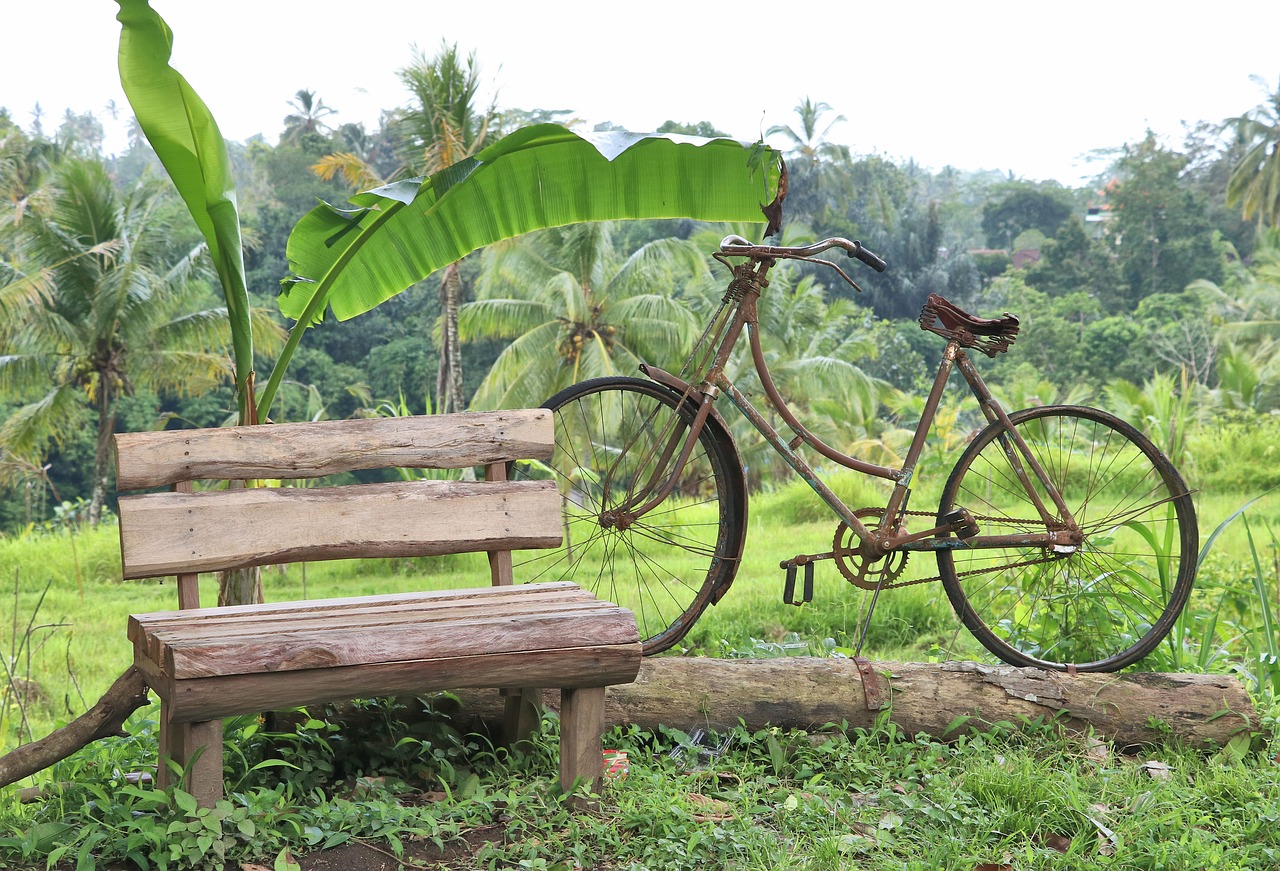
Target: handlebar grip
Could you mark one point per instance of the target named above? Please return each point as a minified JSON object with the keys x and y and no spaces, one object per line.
{"x":870,"y":258}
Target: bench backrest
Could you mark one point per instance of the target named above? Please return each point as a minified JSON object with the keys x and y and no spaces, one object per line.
{"x":184,"y":532}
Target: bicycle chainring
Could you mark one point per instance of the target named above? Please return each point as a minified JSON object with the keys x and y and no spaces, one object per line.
{"x":859,"y":569}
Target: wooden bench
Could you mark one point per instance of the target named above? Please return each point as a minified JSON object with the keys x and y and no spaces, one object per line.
{"x":214,"y":662}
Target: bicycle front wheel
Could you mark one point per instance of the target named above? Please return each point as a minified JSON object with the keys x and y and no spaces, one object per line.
{"x":616,"y":442}
{"x":1098,"y":606}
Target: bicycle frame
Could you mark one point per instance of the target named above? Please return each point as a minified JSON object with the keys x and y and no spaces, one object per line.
{"x":707,"y":382}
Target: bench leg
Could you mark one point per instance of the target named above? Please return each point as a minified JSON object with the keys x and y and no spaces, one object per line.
{"x":581,"y":723}
{"x":179,"y":742}
{"x":522,"y":714}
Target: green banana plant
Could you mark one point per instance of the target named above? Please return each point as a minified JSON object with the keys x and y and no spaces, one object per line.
{"x":185,"y":137}
{"x":352,"y":258}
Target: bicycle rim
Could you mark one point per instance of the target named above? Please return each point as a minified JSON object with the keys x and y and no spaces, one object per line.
{"x":669,"y":564}
{"x":1098,"y":607}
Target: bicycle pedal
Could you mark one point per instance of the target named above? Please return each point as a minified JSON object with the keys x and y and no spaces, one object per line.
{"x":961,"y":523}
{"x":789,"y":584}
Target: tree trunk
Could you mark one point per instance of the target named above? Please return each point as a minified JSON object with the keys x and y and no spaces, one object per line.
{"x":103,"y":720}
{"x":449,"y":374}
{"x":240,"y":586}
{"x":102,"y":454}
{"x":939,"y":699}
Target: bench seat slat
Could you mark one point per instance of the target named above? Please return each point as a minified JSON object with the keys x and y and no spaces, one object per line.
{"x":280,"y":650}
{"x":172,"y":533}
{"x":318,"y":448}
{"x":205,"y":698}
{"x":423,"y":598}
{"x":320,"y":614}
{"x":445,"y":597}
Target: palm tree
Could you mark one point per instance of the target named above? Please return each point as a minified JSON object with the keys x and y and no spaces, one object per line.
{"x":573,"y":307}
{"x":444,"y":127}
{"x":809,"y":143}
{"x":308,"y":115}
{"x":1246,"y":306}
{"x":112,"y":308}
{"x":1254,"y":184}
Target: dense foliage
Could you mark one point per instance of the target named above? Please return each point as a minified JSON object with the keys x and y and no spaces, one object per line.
{"x":1142,"y":284}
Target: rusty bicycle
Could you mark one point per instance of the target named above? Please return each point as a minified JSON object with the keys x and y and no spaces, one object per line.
{"x":1064,"y":538}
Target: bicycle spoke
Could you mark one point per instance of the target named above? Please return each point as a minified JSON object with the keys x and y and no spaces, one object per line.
{"x":1102,"y":604}
{"x":617,"y":440}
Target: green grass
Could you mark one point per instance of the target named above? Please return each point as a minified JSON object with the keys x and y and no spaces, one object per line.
{"x":84,"y":647}
{"x":1022,"y":794}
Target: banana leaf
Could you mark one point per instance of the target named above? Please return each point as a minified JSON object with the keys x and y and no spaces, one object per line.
{"x":186,"y":138}
{"x":353,"y":259}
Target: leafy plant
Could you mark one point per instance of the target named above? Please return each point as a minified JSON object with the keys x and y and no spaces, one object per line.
{"x":353,"y":258}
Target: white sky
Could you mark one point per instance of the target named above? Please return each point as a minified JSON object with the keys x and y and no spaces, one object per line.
{"x":1022,"y":87}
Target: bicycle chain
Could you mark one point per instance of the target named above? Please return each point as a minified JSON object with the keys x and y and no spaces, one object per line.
{"x":971,"y":572}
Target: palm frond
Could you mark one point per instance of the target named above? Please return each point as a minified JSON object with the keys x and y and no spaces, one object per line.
{"x":523,"y":372}
{"x":30,"y":427}
{"x":500,"y":318}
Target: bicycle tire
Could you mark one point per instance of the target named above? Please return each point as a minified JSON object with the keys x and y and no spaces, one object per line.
{"x":1111,"y":601}
{"x":674,"y":561}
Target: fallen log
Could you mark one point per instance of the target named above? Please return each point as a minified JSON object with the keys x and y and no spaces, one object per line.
{"x":938,"y":699}
{"x":104,"y":719}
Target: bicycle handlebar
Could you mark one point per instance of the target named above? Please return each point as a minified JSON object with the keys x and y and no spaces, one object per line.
{"x":736,"y":245}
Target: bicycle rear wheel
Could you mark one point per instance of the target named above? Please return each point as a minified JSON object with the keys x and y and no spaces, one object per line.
{"x":669,"y":564}
{"x":1096,"y":607}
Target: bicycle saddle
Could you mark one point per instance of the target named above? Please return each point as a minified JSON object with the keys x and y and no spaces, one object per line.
{"x":991,"y":336}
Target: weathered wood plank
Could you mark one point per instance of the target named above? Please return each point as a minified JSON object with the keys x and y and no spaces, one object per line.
{"x":581,"y":752}
{"x":171,"y":533}
{"x":462,"y":596}
{"x":231,"y":621}
{"x":196,"y":639}
{"x":208,"y":698}
{"x":318,"y":448}
{"x":340,"y":645}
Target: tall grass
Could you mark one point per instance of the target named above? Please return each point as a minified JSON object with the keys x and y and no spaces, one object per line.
{"x":71,"y":579}
{"x":1230,"y":624}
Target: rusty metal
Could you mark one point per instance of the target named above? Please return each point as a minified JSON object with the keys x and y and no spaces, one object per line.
{"x":792,"y":458}
{"x":1018,"y":451}
{"x":802,"y":433}
{"x":870,"y":683}
{"x":991,"y":336}
{"x":862,"y":566}
{"x":876,"y":562}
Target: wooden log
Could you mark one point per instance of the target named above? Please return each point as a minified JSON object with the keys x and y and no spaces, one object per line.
{"x":938,"y":699}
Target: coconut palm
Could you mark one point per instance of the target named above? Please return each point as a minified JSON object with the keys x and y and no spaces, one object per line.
{"x":809,"y":143}
{"x":1254,"y":184}
{"x":573,"y":307}
{"x":307,"y":118}
{"x":444,"y":126}
{"x":114,"y":308}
